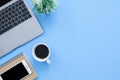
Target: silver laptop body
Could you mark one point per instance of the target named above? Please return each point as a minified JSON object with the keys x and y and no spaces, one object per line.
{"x":18,"y":25}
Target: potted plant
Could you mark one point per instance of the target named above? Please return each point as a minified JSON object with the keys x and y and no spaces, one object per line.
{"x":44,"y":6}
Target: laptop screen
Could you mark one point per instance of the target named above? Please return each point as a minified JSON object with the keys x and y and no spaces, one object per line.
{"x":3,"y":2}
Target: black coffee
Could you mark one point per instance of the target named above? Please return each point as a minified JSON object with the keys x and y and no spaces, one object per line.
{"x":41,"y":51}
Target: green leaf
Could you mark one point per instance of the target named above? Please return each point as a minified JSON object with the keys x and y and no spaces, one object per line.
{"x":45,"y":6}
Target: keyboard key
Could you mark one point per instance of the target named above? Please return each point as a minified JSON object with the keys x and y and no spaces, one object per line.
{"x":24,"y":14}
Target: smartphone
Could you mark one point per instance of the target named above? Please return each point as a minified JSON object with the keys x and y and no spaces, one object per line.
{"x":17,"y":72}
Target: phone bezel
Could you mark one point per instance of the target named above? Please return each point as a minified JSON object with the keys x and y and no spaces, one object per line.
{"x":24,"y":64}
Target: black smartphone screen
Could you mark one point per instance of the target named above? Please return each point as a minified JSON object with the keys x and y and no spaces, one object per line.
{"x":3,"y":2}
{"x":15,"y":73}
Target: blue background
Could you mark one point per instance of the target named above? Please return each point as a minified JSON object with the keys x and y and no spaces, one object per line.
{"x":84,"y":38}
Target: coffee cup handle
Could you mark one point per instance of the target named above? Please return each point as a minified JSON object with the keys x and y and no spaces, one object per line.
{"x":48,"y":61}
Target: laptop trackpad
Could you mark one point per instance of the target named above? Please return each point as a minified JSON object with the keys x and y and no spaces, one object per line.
{"x":12,"y":39}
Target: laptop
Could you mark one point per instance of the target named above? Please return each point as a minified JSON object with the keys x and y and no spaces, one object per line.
{"x":18,"y":25}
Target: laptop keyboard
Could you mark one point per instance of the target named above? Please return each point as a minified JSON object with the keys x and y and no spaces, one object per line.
{"x":13,"y":15}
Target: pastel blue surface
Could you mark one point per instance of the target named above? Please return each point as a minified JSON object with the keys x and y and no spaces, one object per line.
{"x":84,"y":38}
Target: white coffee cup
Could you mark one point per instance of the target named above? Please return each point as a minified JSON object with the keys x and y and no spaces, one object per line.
{"x":41,"y":52}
